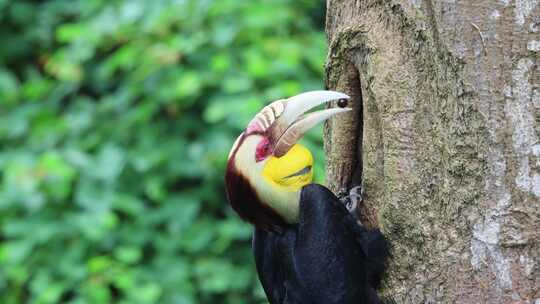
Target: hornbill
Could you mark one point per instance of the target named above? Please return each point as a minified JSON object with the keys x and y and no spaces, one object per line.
{"x":308,"y":248}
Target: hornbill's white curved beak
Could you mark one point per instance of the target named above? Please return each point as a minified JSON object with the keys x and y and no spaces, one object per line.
{"x":285,"y":122}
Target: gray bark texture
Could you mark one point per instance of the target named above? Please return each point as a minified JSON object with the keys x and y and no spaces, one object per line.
{"x":444,"y":138}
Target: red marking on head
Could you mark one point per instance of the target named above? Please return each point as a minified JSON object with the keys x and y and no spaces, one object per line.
{"x":264,"y":149}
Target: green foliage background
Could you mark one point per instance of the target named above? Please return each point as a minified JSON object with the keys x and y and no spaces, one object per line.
{"x":116,"y":118}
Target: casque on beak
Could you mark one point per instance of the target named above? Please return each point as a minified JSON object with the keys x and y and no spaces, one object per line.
{"x":285,"y":122}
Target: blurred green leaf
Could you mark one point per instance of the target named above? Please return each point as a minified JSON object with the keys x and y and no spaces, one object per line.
{"x":9,"y":88}
{"x":116,"y":121}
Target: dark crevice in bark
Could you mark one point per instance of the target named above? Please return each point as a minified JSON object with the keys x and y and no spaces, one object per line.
{"x":356,"y":179}
{"x":344,"y":137}
{"x":344,"y":77}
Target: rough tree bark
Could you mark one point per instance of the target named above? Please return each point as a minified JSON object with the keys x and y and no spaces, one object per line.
{"x":444,"y":139}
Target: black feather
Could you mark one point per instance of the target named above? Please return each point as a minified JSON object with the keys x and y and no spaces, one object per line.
{"x":326,"y":258}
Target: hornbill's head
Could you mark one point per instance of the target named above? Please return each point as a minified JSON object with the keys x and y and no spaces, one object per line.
{"x":267,"y":168}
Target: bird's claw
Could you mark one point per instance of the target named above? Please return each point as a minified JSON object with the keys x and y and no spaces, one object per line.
{"x":355,"y":198}
{"x":352,"y":200}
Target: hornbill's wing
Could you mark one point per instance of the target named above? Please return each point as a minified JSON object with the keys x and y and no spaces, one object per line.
{"x":327,"y":258}
{"x":274,"y":262}
{"x":329,"y":261}
{"x":268,"y":260}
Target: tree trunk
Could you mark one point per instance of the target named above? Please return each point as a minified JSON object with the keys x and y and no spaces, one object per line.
{"x":445,"y":141}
